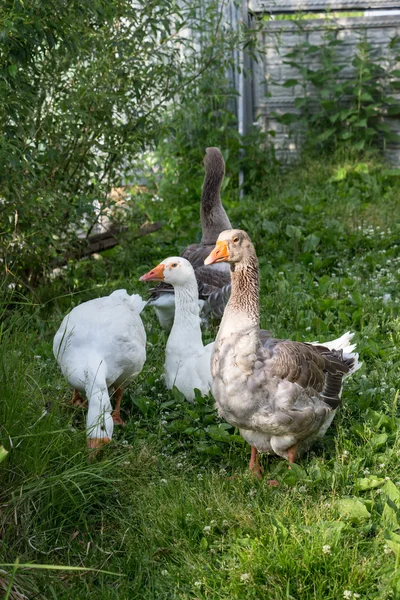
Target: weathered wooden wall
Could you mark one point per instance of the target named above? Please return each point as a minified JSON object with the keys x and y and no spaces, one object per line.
{"x":280,"y":36}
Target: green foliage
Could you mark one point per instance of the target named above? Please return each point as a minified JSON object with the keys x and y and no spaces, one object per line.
{"x":83,"y":90}
{"x":334,"y":108}
{"x":169,"y":505}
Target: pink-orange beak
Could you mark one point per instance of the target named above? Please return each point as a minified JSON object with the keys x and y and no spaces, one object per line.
{"x":219,"y":254}
{"x":156,"y":274}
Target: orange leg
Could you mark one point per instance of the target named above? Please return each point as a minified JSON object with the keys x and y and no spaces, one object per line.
{"x":117,"y":411}
{"x":292,"y":454}
{"x":77,"y":399}
{"x":254,"y":465}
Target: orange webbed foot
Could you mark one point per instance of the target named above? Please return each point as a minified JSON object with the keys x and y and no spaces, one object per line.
{"x":95,"y":445}
{"x":116,"y":417}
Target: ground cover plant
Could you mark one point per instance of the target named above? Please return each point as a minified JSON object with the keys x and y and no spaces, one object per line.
{"x":168,"y":510}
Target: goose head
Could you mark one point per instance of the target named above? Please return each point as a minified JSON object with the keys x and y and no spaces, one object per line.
{"x":232,"y":246}
{"x":174,"y":270}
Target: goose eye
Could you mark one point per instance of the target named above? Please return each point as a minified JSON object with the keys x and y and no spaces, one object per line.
{"x":235,"y":239}
{"x":174,"y":265}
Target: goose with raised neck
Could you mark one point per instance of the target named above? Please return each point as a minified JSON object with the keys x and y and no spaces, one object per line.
{"x":281,"y":394}
{"x":213,"y":217}
{"x":213,"y":283}
{"x":187,"y":360}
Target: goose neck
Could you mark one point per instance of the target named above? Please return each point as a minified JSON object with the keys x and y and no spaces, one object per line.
{"x":244,"y":301}
{"x":212,"y":214}
{"x":187,"y":319}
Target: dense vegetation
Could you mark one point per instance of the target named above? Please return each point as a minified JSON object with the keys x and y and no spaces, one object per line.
{"x":159,"y":510}
{"x":168,"y":510}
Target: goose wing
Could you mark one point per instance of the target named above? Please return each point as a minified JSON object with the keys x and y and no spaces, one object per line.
{"x":215,"y":289}
{"x":310,"y":367}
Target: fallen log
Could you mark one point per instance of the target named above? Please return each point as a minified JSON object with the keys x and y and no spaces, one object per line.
{"x":103,"y":241}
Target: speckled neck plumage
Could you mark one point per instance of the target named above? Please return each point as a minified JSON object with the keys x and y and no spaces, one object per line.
{"x":246,"y":288}
{"x":212,"y":214}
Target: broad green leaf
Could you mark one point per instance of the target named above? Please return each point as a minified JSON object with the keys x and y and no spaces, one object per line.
{"x":279,"y":529}
{"x":293,"y":232}
{"x":366,"y":96}
{"x":290,"y":83}
{"x":12,"y":69}
{"x":141,"y":404}
{"x":393,"y":541}
{"x":359,"y":145}
{"x":325,"y":135}
{"x":353,"y":510}
{"x":390,"y":515}
{"x":332,"y":530}
{"x":310,"y":242}
{"x":339,"y":175}
{"x":270,"y":226}
{"x":369,"y":483}
{"x":378,"y":441}
{"x":392,"y":492}
{"x":203,"y":543}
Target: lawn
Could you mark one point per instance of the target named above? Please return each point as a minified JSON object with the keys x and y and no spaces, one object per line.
{"x":168,"y":510}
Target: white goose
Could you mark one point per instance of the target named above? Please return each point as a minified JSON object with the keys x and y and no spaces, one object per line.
{"x":187,"y":360}
{"x":280,"y":394}
{"x":213,"y":284}
{"x":101,"y":344}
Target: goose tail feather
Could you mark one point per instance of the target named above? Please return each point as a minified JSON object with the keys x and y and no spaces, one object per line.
{"x":344,"y":345}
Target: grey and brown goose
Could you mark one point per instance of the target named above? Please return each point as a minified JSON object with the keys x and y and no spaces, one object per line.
{"x":281,"y":394}
{"x":213,"y":283}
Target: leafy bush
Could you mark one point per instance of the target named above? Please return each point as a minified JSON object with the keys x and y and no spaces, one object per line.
{"x":83,"y":91}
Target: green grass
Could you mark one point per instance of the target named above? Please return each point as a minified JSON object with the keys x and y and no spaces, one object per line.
{"x":168,"y":511}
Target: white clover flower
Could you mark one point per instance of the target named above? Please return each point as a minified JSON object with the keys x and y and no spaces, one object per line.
{"x":386,"y":549}
{"x":179,"y":465}
{"x":199,"y":476}
{"x":225,"y":523}
{"x":327,"y":504}
{"x":207,"y":529}
{"x":197,"y":584}
{"x":326,"y":549}
{"x":208,"y":509}
{"x":345,"y":452}
{"x":244,"y":577}
{"x":164,"y":481}
{"x":213,"y":522}
{"x":165,"y":572}
{"x":366,"y":471}
{"x":356,"y":595}
{"x":378,"y":491}
{"x":347,"y":594}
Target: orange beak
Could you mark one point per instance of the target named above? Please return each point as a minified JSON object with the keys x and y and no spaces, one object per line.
{"x":219,"y":254}
{"x":156,"y":274}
